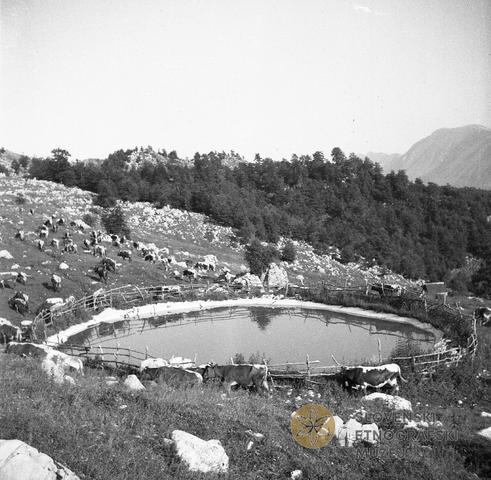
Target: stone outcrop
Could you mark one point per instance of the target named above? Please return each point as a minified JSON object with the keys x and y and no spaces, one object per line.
{"x":276,"y":277}
{"x":133,"y":383}
{"x":19,"y":461}
{"x":390,"y":402}
{"x":200,"y":455}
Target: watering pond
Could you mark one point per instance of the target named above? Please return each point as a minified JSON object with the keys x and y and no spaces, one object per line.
{"x":281,"y":335}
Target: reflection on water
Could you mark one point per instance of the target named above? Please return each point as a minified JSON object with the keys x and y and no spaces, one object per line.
{"x":285,"y":335}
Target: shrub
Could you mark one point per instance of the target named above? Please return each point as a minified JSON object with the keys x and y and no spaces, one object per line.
{"x":114,"y":222}
{"x":289,"y":253}
{"x":90,"y":219}
{"x":259,"y":256}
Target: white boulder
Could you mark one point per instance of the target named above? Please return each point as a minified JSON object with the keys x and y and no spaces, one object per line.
{"x":5,"y":254}
{"x":19,"y":461}
{"x":390,"y":402}
{"x":249,"y":281}
{"x":353,"y":431}
{"x":63,"y":266}
{"x":200,"y":455}
{"x":133,"y":383}
{"x":296,"y":475}
{"x":276,"y":276}
{"x":486,"y":433}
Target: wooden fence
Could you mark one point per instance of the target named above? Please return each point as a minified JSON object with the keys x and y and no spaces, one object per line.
{"x":411,"y":305}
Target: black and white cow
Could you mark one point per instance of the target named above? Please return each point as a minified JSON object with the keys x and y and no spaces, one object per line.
{"x":361,"y":377}
{"x":125,"y":255}
{"x":483,"y":314}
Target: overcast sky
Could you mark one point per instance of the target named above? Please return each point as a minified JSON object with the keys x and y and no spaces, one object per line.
{"x":274,"y":77}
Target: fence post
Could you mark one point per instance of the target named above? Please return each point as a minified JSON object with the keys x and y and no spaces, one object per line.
{"x":308,"y":367}
{"x":379,"y":351}
{"x":146,"y":352}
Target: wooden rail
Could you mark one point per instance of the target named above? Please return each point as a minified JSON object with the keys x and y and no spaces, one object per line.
{"x":129,"y":294}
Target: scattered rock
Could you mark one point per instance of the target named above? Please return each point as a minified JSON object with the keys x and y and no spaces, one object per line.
{"x":15,"y":266}
{"x":19,"y":461}
{"x":486,"y":433}
{"x":133,"y":383}
{"x":63,"y":266}
{"x":249,"y":281}
{"x":485,"y":414}
{"x":388,"y":401}
{"x":353,"y":431}
{"x":296,"y":475}
{"x":5,"y":254}
{"x":200,"y":455}
{"x":276,"y":276}
{"x":258,"y":437}
{"x":250,"y":444}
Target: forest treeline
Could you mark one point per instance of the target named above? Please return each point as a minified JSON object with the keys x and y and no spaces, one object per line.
{"x":421,"y":231}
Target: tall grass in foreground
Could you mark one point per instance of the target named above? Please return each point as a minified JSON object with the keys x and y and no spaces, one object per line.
{"x":103,"y":432}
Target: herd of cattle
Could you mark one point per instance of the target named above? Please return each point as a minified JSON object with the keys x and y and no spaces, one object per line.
{"x":247,"y":376}
{"x":94,"y":244}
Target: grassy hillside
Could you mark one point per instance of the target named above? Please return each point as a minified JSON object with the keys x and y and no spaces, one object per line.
{"x":187,"y":235}
{"x":102,"y":431}
{"x":105,"y":432}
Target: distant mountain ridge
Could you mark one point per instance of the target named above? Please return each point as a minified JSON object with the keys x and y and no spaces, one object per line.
{"x":458,"y":156}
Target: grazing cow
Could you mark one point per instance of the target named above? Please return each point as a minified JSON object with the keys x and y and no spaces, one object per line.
{"x":27,"y":349}
{"x":56,"y":282}
{"x":9,"y":332}
{"x":226,"y":277}
{"x":55,"y":243}
{"x":136,"y":245}
{"x":20,"y":235}
{"x":48,"y":223}
{"x":172,"y":375}
{"x":101,"y":270}
{"x":483,"y":314}
{"x":153,"y":363}
{"x":41,"y":244}
{"x":5,"y":284}
{"x":87,"y":244}
{"x":54,"y":228}
{"x":165,"y":262}
{"x":125,"y":255}
{"x":375,"y":377}
{"x":245,"y":375}
{"x":61,"y":221}
{"x":387,"y":289}
{"x":19,"y":304}
{"x":44,"y":232}
{"x":189,"y":273}
{"x":22,"y":278}
{"x":109,"y":263}
{"x":151,"y":257}
{"x":99,"y":250}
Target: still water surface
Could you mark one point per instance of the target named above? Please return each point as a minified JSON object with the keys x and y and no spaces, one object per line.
{"x":282,"y":335}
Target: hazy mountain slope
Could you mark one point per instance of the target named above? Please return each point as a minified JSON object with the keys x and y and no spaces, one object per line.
{"x":385,"y":160}
{"x":458,"y":156}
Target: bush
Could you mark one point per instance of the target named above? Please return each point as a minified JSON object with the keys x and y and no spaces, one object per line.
{"x":114,"y":222}
{"x":259,"y":256}
{"x":90,"y":219}
{"x":289,"y":253}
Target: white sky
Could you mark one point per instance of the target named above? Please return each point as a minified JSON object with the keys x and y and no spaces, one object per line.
{"x":275,"y":77}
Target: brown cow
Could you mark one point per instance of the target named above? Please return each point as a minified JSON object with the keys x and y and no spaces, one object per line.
{"x":245,"y":375}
